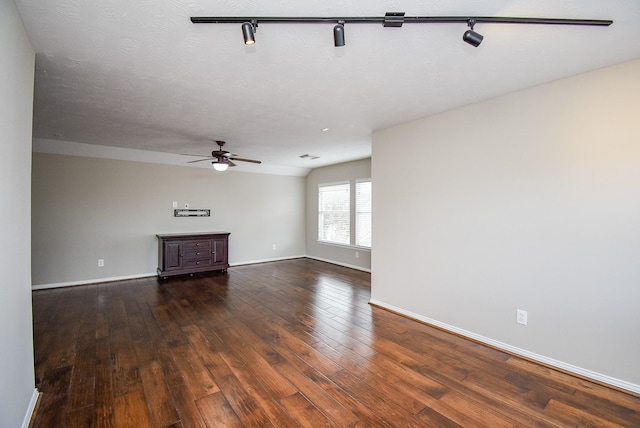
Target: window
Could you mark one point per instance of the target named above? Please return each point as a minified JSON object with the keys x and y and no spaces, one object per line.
{"x":340,"y":205}
{"x":334,"y":214}
{"x":363,"y":213}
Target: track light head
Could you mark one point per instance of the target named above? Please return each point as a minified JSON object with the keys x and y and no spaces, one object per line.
{"x":248,"y":32}
{"x":338,"y":34}
{"x":473,"y":38}
{"x":470,"y":36}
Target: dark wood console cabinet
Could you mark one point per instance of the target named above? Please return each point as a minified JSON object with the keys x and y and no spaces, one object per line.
{"x":184,"y":253}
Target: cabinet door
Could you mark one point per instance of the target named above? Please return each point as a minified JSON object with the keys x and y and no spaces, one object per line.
{"x":219,"y":251}
{"x":172,"y":255}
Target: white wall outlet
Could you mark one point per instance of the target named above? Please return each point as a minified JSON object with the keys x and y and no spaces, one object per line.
{"x":521,"y":317}
{"x":100,"y":262}
{"x":175,"y":204}
{"x":357,"y":254}
{"x":274,"y":246}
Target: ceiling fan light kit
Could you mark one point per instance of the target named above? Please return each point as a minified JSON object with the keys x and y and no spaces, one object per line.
{"x":391,"y":20}
{"x":220,"y":166}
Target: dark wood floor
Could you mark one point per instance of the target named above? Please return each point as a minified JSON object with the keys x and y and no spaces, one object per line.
{"x":284,"y":344}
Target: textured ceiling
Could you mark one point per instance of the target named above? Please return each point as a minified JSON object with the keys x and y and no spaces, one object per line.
{"x":140,"y":75}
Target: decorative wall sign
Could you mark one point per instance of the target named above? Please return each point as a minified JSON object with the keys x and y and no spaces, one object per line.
{"x":191,"y":213}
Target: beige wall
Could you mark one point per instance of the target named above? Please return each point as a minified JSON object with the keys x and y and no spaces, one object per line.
{"x":530,"y":201}
{"x":343,"y":255}
{"x":17,"y":383}
{"x":85,"y":209}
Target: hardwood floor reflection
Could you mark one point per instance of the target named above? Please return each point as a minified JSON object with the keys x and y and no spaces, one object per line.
{"x":285,"y":344}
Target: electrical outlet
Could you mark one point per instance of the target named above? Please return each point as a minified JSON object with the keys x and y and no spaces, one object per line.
{"x":100,"y":262}
{"x":274,"y":246}
{"x":357,"y":254}
{"x":175,"y":204}
{"x":521,"y":317}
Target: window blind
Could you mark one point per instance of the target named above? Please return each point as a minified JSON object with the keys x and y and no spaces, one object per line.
{"x":334,"y":213}
{"x":363,"y":213}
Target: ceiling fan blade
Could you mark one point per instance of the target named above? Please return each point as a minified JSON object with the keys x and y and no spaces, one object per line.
{"x":222,"y":156}
{"x":189,"y":154}
{"x":245,"y":160}
{"x":199,"y":160}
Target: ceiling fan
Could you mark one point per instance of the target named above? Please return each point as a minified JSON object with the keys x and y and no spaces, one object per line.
{"x":222,"y":159}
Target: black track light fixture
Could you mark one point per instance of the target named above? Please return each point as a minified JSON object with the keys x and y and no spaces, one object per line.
{"x":393,"y":20}
{"x":470,"y":36}
{"x":338,"y":34}
{"x":248,"y":32}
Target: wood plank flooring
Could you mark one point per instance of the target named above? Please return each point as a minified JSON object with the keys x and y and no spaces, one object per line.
{"x":284,"y":344}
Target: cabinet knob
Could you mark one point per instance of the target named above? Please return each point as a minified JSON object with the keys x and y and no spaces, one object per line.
{"x":197,"y":263}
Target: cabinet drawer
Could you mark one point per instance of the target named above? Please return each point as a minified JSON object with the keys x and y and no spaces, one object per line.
{"x":196,"y":254}
{"x":196,"y":263}
{"x":199,"y":244}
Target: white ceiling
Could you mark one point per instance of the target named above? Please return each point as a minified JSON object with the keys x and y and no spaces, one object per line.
{"x":140,"y":75}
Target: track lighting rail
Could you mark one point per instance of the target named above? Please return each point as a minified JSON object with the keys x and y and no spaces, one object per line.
{"x":398,"y":17}
{"x":391,"y":19}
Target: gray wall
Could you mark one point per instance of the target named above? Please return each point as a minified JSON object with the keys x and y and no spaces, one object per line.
{"x":530,"y":201}
{"x":17,"y":383}
{"x":343,"y":255}
{"x":85,"y":209}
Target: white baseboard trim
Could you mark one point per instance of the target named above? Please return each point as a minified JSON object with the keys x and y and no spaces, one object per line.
{"x":340,"y":263}
{"x":90,"y":281}
{"x":32,"y":406}
{"x":35,"y":287}
{"x":141,"y":275}
{"x":277,"y":259}
{"x":599,"y":377}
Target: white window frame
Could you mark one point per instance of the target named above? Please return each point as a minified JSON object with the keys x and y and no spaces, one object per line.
{"x":354,"y":240}
{"x":362,"y":236}
{"x":338,"y":228}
